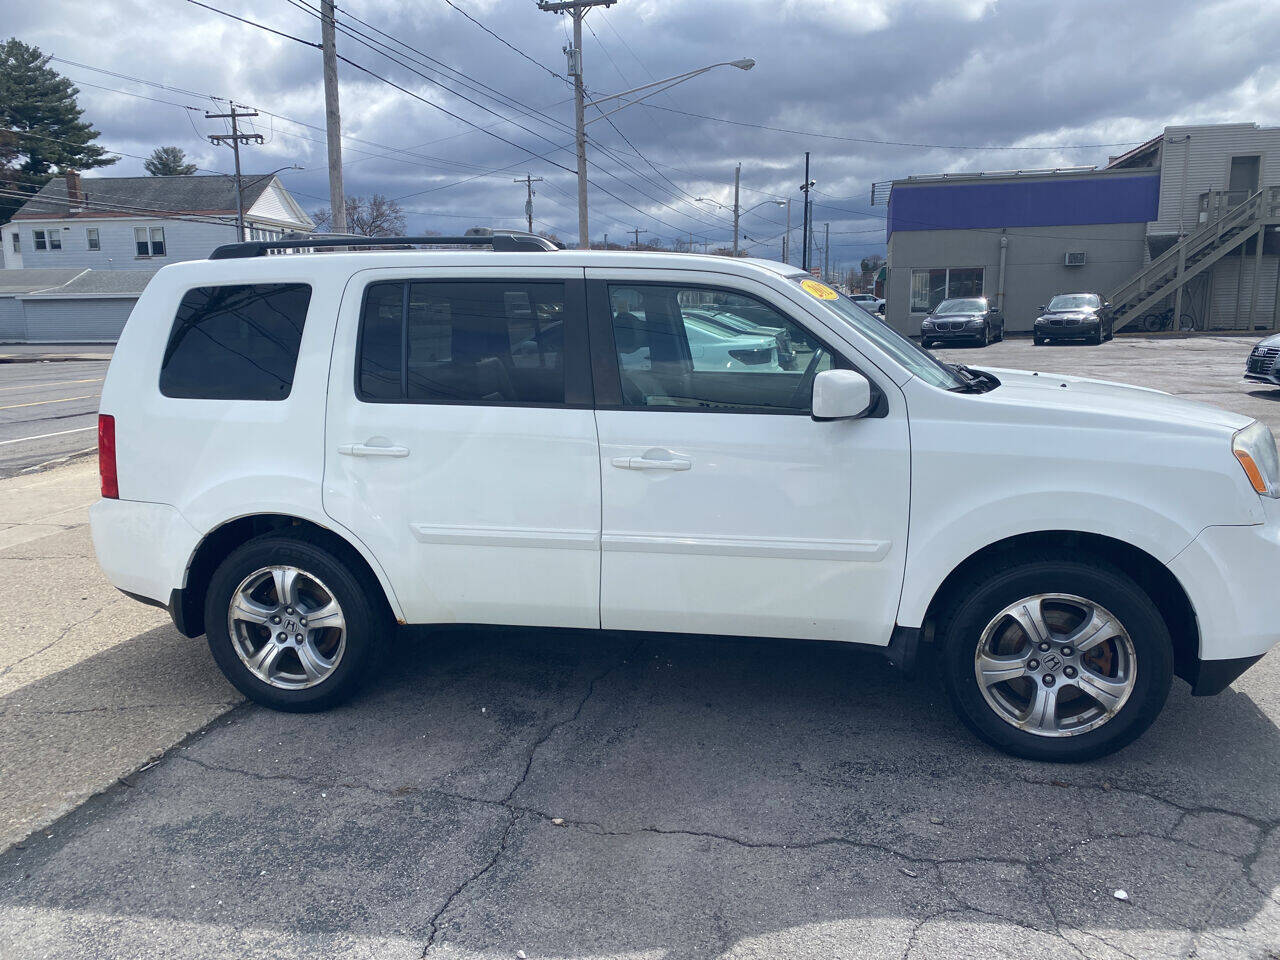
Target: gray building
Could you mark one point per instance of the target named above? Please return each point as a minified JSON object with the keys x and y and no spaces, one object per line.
{"x":1184,"y":226}
{"x":67,"y":306}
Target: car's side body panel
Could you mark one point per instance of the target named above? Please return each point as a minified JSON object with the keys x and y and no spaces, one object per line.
{"x":780,"y":525}
{"x":1105,"y":471}
{"x":492,"y":515}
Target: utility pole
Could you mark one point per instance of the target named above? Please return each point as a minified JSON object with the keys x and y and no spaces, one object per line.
{"x":637,"y":231}
{"x":577,"y":9}
{"x":332,"y":119}
{"x":236,"y":138}
{"x":528,"y":181}
{"x":737,"y":180}
{"x":786,"y":237}
{"x":826,"y":252}
{"x":805,"y":230}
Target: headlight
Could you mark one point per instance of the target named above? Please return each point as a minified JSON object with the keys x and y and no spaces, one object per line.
{"x":927,"y":325}
{"x":1255,"y":448}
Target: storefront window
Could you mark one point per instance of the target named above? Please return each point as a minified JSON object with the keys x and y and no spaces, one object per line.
{"x":930,"y":287}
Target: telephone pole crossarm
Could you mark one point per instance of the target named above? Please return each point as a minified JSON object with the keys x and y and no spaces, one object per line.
{"x":235,"y":138}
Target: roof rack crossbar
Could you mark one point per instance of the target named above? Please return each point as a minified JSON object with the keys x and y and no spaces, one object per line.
{"x":500,"y":242}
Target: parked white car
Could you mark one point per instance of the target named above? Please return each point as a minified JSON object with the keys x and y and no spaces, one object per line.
{"x":868,"y":301}
{"x":298,"y":452}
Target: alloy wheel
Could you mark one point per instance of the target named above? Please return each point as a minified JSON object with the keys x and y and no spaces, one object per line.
{"x":286,"y":627}
{"x":1055,"y":665}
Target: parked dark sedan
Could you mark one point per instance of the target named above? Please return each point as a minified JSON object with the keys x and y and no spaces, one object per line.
{"x":968,"y":319}
{"x":1074,"y":316}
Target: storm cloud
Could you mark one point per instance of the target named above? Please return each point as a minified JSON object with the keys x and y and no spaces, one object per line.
{"x":931,"y":80}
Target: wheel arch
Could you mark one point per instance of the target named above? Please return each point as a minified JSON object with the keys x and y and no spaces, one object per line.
{"x":1156,"y":579}
{"x":187,"y":605}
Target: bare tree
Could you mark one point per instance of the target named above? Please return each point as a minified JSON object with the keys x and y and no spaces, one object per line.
{"x":372,"y":216}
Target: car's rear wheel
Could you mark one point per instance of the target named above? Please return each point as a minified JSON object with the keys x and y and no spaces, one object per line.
{"x":290,"y":625}
{"x":1057,"y":660}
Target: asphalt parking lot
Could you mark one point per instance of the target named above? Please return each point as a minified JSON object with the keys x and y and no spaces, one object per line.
{"x":48,"y":408}
{"x":564,"y":794}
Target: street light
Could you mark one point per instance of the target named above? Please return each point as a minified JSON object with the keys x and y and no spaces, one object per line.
{"x":625,"y":100}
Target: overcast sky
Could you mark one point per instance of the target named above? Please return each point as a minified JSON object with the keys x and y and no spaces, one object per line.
{"x":933,"y":76}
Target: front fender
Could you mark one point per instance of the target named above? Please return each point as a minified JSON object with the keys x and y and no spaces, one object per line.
{"x":948,"y":534}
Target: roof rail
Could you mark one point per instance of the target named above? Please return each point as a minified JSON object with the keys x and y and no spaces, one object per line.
{"x":501,"y":242}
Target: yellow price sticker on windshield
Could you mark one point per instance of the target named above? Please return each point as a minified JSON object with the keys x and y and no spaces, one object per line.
{"x":819,"y":290}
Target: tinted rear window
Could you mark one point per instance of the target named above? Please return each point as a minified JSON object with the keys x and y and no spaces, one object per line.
{"x":237,"y":342}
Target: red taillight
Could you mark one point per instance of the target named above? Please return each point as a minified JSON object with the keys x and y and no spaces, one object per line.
{"x":107,"y":456}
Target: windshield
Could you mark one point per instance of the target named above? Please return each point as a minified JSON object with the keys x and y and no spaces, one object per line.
{"x":920,"y":362}
{"x":1074,"y":301}
{"x":967,"y":305}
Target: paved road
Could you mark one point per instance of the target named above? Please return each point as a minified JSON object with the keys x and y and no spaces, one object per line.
{"x":47,"y":411}
{"x":593,"y":796}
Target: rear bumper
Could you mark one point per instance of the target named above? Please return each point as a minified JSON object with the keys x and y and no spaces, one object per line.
{"x":143,"y":548}
{"x":1229,"y":573}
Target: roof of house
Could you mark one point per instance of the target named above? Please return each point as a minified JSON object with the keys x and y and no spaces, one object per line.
{"x":101,"y":283}
{"x":25,"y":281}
{"x":138,"y":196}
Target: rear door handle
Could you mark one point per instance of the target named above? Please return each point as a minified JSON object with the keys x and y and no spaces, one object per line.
{"x":653,"y":460}
{"x":370,"y":450}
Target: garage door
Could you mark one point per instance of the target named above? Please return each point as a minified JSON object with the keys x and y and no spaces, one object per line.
{"x":76,"y":321}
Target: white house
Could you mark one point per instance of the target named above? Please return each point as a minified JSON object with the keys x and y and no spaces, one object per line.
{"x":143,"y":223}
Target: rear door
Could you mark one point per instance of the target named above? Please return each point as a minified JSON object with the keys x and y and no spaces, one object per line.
{"x":726,"y":508}
{"x":461,"y":444}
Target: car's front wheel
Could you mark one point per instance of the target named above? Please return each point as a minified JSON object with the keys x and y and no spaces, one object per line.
{"x":1058,"y":660}
{"x":290,"y":625}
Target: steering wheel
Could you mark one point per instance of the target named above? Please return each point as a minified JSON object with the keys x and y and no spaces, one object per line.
{"x":804,"y":390}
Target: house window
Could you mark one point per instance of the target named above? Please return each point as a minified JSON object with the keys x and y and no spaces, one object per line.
{"x":55,"y":240}
{"x":17,"y":244}
{"x":38,"y":241}
{"x":149,"y":242}
{"x":91,"y":237}
{"x":930,"y":287}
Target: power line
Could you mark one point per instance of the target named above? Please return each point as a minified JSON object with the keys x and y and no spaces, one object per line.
{"x":889,"y":143}
{"x":506,"y":43}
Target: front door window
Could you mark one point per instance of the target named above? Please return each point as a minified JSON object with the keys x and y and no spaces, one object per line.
{"x":681,"y":347}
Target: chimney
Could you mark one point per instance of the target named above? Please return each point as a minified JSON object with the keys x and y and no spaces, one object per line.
{"x":75,"y":197}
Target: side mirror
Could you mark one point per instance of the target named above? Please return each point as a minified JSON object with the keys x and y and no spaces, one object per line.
{"x":1043,"y":307}
{"x":840,"y":395}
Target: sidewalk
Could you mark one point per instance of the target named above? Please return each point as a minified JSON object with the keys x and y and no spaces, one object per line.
{"x":54,"y":352}
{"x":93,"y":685}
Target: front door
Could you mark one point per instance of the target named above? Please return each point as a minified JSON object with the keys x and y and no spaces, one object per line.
{"x":461,"y":445}
{"x":727,"y":508}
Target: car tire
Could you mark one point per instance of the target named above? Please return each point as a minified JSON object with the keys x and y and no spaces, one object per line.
{"x":986,"y":337}
{"x":1096,"y":339}
{"x":1138,"y":651}
{"x":329,"y":663}
{"x":1038,"y":341}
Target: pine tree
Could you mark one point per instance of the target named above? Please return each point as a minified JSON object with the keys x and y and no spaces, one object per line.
{"x":168,"y":162}
{"x":41,"y":130}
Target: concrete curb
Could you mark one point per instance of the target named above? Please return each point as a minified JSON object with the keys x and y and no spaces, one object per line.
{"x":52,"y":357}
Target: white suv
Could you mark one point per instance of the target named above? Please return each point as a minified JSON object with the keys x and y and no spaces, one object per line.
{"x":300,"y":451}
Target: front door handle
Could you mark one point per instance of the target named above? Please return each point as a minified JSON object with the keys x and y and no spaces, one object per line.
{"x":372,"y":450}
{"x":655,"y":459}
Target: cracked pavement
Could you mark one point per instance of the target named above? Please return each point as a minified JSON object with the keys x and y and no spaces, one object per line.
{"x":580,"y":795}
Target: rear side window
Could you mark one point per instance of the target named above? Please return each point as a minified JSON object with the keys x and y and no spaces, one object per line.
{"x":236,"y":342}
{"x":463,"y":341}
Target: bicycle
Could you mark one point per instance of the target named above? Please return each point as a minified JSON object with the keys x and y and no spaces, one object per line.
{"x":1158,"y":320}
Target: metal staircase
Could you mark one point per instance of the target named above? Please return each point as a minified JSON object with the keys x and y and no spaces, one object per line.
{"x":1169,"y":273}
